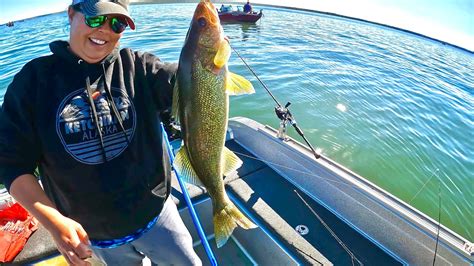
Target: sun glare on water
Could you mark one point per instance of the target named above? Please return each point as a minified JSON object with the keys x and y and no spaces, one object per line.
{"x":341,"y":107}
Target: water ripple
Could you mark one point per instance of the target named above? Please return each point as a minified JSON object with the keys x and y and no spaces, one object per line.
{"x":391,"y":106}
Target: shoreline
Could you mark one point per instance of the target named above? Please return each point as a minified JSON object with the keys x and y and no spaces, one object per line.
{"x":374,"y":23}
{"x":263,"y":4}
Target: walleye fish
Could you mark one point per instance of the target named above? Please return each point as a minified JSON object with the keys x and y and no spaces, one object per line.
{"x":201,"y":103}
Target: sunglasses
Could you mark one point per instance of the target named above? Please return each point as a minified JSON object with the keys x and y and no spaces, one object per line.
{"x":118,"y":25}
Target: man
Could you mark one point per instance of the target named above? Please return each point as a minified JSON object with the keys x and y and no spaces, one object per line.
{"x":248,"y":7}
{"x":88,"y":117}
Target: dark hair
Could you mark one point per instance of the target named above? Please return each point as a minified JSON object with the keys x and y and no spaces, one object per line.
{"x":77,"y":7}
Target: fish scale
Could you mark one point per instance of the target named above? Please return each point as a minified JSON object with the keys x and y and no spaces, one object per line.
{"x":210,"y":106}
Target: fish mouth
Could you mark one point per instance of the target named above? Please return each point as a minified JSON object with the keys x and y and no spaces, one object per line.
{"x":206,"y":10}
{"x":206,"y":25}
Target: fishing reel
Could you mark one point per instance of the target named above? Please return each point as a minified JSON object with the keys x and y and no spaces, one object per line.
{"x":283,"y":114}
{"x":285,"y":117}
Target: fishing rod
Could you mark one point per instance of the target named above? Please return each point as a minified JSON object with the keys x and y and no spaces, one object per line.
{"x":192,"y":212}
{"x":283,"y":112}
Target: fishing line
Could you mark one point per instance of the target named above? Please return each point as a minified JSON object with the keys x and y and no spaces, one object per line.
{"x":439,"y":209}
{"x":416,"y":194}
{"x":309,"y":255}
{"x":330,"y":231}
{"x":282,"y":112}
{"x":259,"y":80}
{"x":439,"y":220}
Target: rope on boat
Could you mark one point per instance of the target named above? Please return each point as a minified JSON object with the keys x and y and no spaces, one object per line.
{"x":282,"y":111}
{"x":192,"y":212}
{"x":353,"y":257}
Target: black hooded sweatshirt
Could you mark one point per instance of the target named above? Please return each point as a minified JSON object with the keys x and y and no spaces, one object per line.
{"x":113,"y":181}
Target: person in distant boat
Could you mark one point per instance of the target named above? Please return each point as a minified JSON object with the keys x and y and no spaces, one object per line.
{"x":248,"y":7}
{"x":87,"y":117}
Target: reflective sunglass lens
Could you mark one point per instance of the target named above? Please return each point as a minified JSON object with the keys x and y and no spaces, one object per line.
{"x":118,"y":25}
{"x":95,"y":22}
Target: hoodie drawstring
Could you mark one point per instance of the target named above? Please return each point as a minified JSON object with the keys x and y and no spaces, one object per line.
{"x":111,"y":103}
{"x":94,"y":111}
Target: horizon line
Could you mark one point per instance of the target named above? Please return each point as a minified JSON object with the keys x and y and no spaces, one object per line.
{"x":138,"y":2}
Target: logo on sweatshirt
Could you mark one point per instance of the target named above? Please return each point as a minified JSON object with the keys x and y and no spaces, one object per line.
{"x":77,"y":129}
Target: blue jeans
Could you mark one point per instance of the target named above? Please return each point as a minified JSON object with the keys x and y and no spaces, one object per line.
{"x":168,"y":242}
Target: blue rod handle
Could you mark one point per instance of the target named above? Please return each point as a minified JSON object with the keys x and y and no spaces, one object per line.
{"x":193,"y":213}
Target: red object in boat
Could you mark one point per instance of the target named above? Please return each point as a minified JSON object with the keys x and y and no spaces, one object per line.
{"x":16,"y":226}
{"x":239,"y":16}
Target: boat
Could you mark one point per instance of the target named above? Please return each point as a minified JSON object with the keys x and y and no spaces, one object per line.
{"x":227,"y":14}
{"x":308,"y":211}
{"x":238,"y":16}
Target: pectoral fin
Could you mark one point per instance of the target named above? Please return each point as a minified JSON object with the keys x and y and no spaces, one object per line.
{"x":183,"y":167}
{"x":237,"y":85}
{"x":231,"y":161}
{"x":223,"y":54}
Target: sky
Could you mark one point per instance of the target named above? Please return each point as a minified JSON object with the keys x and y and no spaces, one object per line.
{"x":451,"y":21}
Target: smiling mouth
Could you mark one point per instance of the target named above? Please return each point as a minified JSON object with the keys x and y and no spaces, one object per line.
{"x":97,"y":41}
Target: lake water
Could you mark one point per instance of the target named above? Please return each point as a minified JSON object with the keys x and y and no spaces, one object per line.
{"x":394,"y":107}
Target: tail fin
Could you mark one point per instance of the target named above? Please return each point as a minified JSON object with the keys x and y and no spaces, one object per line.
{"x":226,"y":220}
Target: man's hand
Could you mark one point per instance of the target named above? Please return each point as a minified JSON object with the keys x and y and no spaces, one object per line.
{"x":71,"y":240}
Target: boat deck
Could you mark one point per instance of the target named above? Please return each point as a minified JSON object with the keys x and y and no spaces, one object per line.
{"x":273,"y":203}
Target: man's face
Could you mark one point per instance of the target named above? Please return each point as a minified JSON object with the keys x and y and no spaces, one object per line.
{"x":91,"y":44}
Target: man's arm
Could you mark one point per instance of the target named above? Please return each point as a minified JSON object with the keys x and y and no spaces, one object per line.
{"x":71,"y":239}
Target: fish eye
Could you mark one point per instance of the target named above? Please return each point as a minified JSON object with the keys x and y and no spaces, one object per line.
{"x":202,"y":22}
